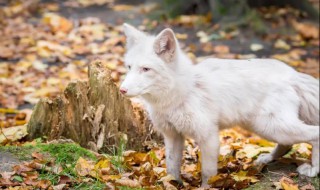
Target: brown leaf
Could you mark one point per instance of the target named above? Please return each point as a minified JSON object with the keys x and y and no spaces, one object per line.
{"x":127,"y":182}
{"x":122,"y":7}
{"x":57,"y":22}
{"x":22,"y":168}
{"x":59,"y":187}
{"x":5,"y":179}
{"x":84,"y":167}
{"x":221,"y":49}
{"x":64,"y":179}
{"x":307,"y":30}
{"x":43,"y":184}
{"x":308,"y":187}
{"x":38,"y":156}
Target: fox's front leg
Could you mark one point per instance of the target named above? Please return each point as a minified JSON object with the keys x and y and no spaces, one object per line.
{"x":209,"y":148}
{"x":174,"y":143}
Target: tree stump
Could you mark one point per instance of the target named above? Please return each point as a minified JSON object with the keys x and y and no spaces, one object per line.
{"x":92,"y":113}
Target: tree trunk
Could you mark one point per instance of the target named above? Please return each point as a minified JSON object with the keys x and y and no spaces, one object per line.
{"x":93,"y":114}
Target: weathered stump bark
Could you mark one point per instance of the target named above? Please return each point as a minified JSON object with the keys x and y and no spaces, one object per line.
{"x":92,"y":113}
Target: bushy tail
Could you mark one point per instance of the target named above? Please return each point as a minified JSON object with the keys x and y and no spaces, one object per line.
{"x":307,"y":88}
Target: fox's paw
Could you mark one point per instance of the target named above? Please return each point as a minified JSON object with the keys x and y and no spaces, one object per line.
{"x":204,"y":186}
{"x":264,"y":159}
{"x":308,"y":170}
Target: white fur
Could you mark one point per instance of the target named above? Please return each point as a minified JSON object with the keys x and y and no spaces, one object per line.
{"x":264,"y":96}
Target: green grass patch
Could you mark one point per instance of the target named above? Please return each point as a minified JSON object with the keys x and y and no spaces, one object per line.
{"x":95,"y":185}
{"x":129,"y":188}
{"x":116,"y":156}
{"x":66,"y":153}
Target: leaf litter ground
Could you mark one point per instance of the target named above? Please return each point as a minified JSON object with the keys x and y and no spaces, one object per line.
{"x":44,"y":45}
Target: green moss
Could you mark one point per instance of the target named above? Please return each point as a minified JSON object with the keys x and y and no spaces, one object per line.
{"x":66,"y":153}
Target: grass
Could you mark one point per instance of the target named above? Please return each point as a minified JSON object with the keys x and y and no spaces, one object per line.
{"x":266,"y":182}
{"x":116,"y":156}
{"x":95,"y":185}
{"x":66,"y":155}
{"x":316,"y":182}
{"x":129,"y":188}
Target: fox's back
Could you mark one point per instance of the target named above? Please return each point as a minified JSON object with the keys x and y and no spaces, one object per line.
{"x":239,"y":87}
{"x":249,"y":68}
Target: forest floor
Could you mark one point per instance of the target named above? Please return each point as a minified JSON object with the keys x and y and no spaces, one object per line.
{"x":45,"y":45}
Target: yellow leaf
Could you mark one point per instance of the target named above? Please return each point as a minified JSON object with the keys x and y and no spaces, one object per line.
{"x":8,"y":110}
{"x":288,"y":184}
{"x":102,"y":163}
{"x":216,"y":178}
{"x":101,"y":168}
{"x":261,"y":142}
{"x":251,"y":151}
{"x":242,"y":175}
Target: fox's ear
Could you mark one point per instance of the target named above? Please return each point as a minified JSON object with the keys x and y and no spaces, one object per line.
{"x":132,"y":34}
{"x":165,"y":45}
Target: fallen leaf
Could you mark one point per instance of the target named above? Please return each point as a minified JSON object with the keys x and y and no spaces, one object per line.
{"x":13,"y":133}
{"x":57,"y":22}
{"x":256,"y":47}
{"x":128,"y":183}
{"x":288,"y":184}
{"x":281,"y":44}
{"x":122,"y":7}
{"x":307,"y":30}
{"x":84,"y":167}
{"x":221,"y":49}
{"x":308,"y":187}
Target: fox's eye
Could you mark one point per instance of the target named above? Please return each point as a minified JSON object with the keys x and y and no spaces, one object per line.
{"x":145,"y":69}
{"x":129,"y":67}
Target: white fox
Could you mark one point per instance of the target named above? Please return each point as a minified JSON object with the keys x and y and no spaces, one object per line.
{"x":264,"y":96}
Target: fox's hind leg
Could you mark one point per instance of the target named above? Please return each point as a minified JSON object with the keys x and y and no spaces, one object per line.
{"x":278,"y":120}
{"x":290,"y":133}
{"x":276,"y":153}
{"x":313,"y":169}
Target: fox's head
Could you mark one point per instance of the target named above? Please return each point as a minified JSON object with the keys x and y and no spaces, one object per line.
{"x":151,"y":61}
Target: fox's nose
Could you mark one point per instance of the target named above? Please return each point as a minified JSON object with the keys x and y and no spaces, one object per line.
{"x":123,"y":90}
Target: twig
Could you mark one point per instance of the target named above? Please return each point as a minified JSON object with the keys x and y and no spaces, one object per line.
{"x":4,"y":134}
